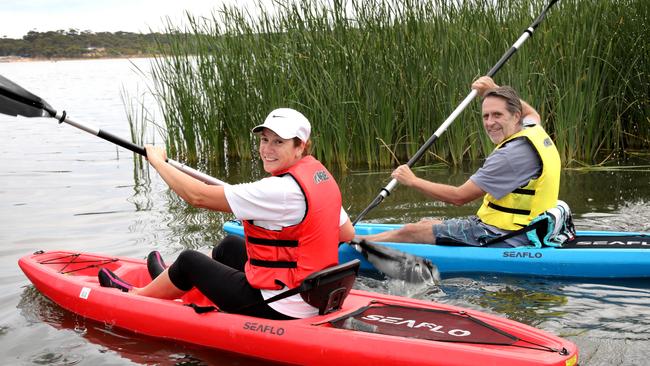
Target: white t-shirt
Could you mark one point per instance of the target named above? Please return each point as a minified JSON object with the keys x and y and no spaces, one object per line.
{"x":281,"y":199}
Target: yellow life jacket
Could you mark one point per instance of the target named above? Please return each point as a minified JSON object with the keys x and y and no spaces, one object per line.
{"x":517,"y":208}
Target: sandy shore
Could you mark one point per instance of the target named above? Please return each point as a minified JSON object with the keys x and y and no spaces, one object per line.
{"x":14,"y":59}
{"x":31,"y":59}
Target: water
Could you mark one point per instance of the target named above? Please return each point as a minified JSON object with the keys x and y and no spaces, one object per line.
{"x":62,"y":188}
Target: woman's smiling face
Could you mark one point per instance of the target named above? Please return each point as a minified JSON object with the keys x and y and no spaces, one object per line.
{"x":278,"y":154}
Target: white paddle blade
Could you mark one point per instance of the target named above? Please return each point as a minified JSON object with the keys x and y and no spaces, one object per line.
{"x":397,"y":264}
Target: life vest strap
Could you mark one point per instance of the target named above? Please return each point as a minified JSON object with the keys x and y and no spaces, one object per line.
{"x":273,"y":242}
{"x":528,"y":192}
{"x":273,"y":264}
{"x":510,"y":210}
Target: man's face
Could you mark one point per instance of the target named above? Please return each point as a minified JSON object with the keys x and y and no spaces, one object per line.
{"x":497,"y":121}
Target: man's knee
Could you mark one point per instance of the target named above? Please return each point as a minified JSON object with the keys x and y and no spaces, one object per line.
{"x":429,"y":221}
{"x":410,"y":228}
{"x":418,"y":232}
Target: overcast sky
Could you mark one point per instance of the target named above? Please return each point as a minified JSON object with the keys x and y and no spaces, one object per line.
{"x":17,"y":17}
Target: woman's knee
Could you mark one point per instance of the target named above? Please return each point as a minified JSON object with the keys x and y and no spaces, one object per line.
{"x":228,"y":245}
{"x":180,"y":271}
{"x":187,"y":257}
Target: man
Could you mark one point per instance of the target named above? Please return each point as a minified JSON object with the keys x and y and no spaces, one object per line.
{"x":519,"y":180}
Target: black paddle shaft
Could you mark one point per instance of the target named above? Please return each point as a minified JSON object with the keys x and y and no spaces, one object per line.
{"x":122,"y":142}
{"x":16,"y":101}
{"x":528,"y":32}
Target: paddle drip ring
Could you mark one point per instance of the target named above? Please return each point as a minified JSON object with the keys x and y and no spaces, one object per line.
{"x":63,"y":115}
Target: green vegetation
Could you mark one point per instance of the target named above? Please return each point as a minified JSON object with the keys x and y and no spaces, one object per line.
{"x":75,"y":44}
{"x":376,"y":79}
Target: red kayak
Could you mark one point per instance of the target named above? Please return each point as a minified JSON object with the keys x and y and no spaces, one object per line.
{"x":369,"y":328}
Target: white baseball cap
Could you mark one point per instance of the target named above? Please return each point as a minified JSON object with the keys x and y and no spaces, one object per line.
{"x":286,"y":123}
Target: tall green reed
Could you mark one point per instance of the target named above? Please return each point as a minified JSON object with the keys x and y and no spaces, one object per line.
{"x":376,"y":79}
{"x":137,"y":116}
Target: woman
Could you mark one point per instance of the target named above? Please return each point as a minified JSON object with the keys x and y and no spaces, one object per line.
{"x":293,"y":223}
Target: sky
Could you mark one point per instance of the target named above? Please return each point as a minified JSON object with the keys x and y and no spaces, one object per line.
{"x":17,"y":17}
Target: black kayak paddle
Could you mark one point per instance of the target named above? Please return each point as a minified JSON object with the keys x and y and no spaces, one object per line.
{"x":16,"y":101}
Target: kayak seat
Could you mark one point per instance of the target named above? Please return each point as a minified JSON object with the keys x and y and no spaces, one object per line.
{"x":328,"y":288}
{"x":325,"y":289}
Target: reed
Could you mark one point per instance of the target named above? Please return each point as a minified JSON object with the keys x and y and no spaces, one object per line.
{"x":138,"y":116}
{"x":376,"y":79}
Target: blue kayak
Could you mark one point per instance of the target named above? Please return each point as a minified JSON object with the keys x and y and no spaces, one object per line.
{"x":593,"y":254}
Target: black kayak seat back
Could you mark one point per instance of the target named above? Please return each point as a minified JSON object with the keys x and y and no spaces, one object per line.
{"x":328,"y":288}
{"x":325,"y":289}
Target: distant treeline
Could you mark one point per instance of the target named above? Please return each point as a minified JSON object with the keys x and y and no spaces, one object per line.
{"x":75,"y":44}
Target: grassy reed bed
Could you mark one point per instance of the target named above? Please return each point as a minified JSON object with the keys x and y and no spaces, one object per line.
{"x":377,"y":78}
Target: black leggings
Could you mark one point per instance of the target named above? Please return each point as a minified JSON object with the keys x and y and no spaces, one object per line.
{"x":221,"y":278}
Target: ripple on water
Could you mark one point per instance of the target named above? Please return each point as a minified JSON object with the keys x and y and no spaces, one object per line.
{"x":54,"y":358}
{"x":93,"y":343}
{"x":631,"y":216}
{"x":609,"y":311}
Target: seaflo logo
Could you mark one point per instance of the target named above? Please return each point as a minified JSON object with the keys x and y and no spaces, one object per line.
{"x":548,"y":142}
{"x":619,"y":243}
{"x":320,"y":176}
{"x":263,"y":328}
{"x":414,"y":324}
{"x":518,"y":254}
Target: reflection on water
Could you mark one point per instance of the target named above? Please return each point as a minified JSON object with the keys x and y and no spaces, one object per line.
{"x":599,"y":200}
{"x":107,"y":341}
{"x":630,"y":216}
{"x":617,"y":200}
{"x":530,"y":305}
{"x":64,"y":189}
{"x":608,"y":311}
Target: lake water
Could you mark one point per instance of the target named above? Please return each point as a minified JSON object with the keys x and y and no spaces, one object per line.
{"x":61,"y":188}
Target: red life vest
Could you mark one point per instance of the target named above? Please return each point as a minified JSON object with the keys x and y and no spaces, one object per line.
{"x":278,"y":258}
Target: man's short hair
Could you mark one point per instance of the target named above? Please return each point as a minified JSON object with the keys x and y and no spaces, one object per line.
{"x":507,"y":93}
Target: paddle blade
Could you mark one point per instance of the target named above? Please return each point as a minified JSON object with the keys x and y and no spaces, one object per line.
{"x":397,"y":264}
{"x":16,"y":101}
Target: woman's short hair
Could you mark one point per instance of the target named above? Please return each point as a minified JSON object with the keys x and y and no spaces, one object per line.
{"x":297,"y":141}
